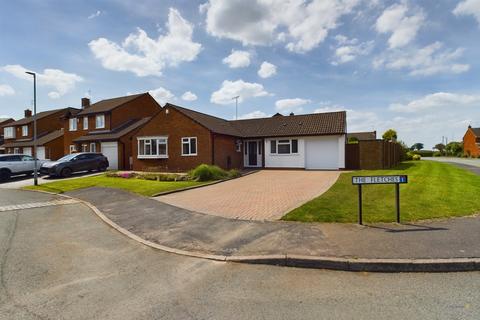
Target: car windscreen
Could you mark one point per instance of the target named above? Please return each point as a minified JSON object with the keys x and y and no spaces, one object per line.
{"x":67,"y":158}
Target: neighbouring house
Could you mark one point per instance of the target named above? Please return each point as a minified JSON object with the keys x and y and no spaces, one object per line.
{"x":361,"y":136}
{"x":19,"y":134}
{"x":179,"y":139}
{"x":107,"y":126}
{"x":471,"y":142}
{"x":3,"y":123}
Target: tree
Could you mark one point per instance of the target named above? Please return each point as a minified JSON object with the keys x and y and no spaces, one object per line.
{"x":454,"y":149}
{"x":417,"y":146}
{"x":390,"y":135}
{"x":440,"y":147}
{"x":352,"y":140}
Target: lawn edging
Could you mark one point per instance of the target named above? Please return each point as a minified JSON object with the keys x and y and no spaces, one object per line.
{"x":315,"y":262}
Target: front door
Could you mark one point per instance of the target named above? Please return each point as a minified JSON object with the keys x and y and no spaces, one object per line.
{"x":252,"y":153}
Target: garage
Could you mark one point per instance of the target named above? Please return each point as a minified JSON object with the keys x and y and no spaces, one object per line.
{"x":324,"y":153}
{"x":27,"y":151}
{"x":110,"y":150}
{"x":41,"y":153}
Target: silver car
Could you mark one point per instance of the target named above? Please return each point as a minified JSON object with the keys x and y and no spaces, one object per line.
{"x":17,"y":164}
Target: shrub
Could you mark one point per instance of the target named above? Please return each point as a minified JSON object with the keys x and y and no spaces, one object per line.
{"x":205,"y":172}
{"x":437,"y":154}
{"x":424,"y":153}
{"x":234,"y":173}
{"x":416,"y":157}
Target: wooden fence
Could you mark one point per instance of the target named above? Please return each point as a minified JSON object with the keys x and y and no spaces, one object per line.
{"x":372,"y":155}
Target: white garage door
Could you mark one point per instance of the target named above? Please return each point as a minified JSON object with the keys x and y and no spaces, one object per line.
{"x":110,"y":150}
{"x":41,"y":153}
{"x":321,"y":153}
{"x":27,"y":151}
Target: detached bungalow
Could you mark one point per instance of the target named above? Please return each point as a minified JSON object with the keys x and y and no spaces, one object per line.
{"x":471,"y":142}
{"x":178,"y":139}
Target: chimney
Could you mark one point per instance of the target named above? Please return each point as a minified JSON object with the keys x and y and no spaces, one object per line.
{"x":85,"y":103}
{"x":28,"y":113}
{"x":292,"y":114}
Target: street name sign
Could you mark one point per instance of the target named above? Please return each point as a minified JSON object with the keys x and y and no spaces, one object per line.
{"x":379,"y":179}
{"x":363,"y":180}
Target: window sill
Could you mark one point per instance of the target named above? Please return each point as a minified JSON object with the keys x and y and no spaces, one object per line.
{"x":152,"y":157}
{"x":283,"y":154}
{"x":189,"y":155}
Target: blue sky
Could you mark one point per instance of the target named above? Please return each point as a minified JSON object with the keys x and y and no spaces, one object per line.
{"x":409,"y":65}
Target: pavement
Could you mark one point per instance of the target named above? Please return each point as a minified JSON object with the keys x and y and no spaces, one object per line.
{"x":18,"y":182}
{"x":327,"y":245}
{"x":263,"y":195}
{"x":472,"y":165}
{"x":63,"y":262}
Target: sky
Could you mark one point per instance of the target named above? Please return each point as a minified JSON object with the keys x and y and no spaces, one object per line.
{"x":408,"y":65}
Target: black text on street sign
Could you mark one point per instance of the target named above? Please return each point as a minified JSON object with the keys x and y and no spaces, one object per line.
{"x":379,"y":179}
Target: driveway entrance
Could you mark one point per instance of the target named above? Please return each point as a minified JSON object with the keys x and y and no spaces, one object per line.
{"x":264,"y":195}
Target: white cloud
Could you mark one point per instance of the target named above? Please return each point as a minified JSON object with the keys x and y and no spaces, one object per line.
{"x":238,"y":59}
{"x":253,"y":115}
{"x":162,"y":95}
{"x":149,"y":56}
{"x":468,"y":7}
{"x":244,"y":90}
{"x":189,"y":96}
{"x":437,"y":100}
{"x":302,"y":25}
{"x":349,"y":49}
{"x":94,"y":15}
{"x":425,"y":61}
{"x":403,"y":27}
{"x":291,"y":105}
{"x":267,"y":70}
{"x":6,"y":90}
{"x":61,"y":81}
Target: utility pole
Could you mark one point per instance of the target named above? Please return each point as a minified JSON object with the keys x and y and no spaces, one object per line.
{"x":236,"y":106}
{"x":35,"y":171}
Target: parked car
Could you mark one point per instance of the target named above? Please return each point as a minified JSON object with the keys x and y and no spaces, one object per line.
{"x":17,"y":164}
{"x":85,"y":161}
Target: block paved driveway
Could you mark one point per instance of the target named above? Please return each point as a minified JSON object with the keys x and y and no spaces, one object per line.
{"x":264,"y":195}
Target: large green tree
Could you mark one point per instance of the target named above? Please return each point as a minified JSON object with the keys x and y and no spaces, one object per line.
{"x":454,"y":149}
{"x":440,"y":147}
{"x":417,"y":146}
{"x":390,"y":135}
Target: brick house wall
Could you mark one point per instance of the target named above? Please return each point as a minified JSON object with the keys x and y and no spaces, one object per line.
{"x":54,"y":149}
{"x":225,"y":154}
{"x":470,"y":144}
{"x":174,"y":125}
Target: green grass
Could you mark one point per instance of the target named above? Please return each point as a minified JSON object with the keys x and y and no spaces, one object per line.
{"x":142,"y":187}
{"x":434,"y":190}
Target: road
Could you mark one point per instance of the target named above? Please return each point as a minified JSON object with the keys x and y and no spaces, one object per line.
{"x":62,"y":262}
{"x":21,"y":181}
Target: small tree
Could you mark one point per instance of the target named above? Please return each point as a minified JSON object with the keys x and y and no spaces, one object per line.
{"x":390,"y":135}
{"x":454,"y":149}
{"x":440,"y":147}
{"x":417,"y":146}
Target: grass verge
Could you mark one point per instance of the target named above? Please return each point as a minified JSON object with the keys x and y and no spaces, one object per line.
{"x":143,"y":187}
{"x":434,"y":190}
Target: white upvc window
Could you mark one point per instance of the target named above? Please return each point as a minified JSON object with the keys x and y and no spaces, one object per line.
{"x":72,"y":124}
{"x":100,"y":121}
{"x":85,"y":123}
{"x":284,"y":146}
{"x":93,"y":147}
{"x":9,"y":132}
{"x":84,"y":147}
{"x":189,"y":146}
{"x":73,"y":148}
{"x":25,"y":131}
{"x":16,"y":150}
{"x":152,"y":147}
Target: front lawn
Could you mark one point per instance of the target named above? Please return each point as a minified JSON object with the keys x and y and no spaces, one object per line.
{"x":434,"y":190}
{"x":140,"y":186}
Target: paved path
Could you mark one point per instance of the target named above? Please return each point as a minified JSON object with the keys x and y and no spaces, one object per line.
{"x":186,"y":230}
{"x":264,"y":195}
{"x":465,"y":161}
{"x":63,"y":262}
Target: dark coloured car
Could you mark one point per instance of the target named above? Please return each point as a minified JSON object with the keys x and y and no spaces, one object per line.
{"x":85,"y":161}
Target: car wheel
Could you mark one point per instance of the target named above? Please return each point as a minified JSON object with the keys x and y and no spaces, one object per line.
{"x":4,"y":175}
{"x":102,"y":167}
{"x":66,"y":172}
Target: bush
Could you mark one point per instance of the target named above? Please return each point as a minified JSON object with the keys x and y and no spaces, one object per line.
{"x":424,"y":153}
{"x":234,"y":173}
{"x":416,"y":157}
{"x":205,"y":172}
{"x":437,"y":154}
{"x":409,"y":155}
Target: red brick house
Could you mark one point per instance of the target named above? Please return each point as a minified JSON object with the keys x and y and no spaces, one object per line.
{"x":471,"y":142}
{"x":18,"y":135}
{"x":3,"y":123}
{"x":107,"y":126}
{"x":179,"y":139}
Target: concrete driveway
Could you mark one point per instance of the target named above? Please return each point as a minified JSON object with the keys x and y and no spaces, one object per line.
{"x":264,"y":195}
{"x":18,"y":182}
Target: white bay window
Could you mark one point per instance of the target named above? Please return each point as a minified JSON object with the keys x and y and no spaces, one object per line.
{"x":152,"y":147}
